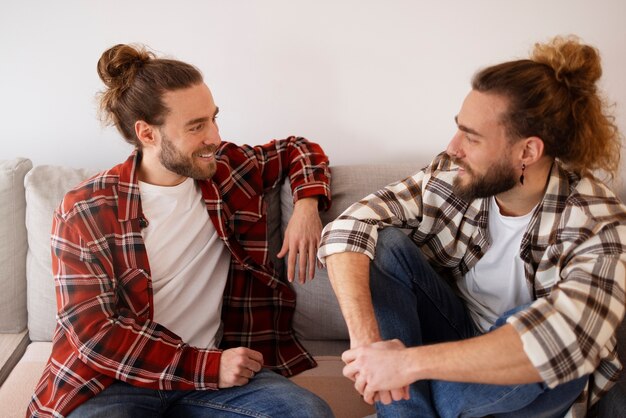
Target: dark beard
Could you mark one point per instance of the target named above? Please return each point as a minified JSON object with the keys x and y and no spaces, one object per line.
{"x":498,"y":179}
{"x":176,"y":162}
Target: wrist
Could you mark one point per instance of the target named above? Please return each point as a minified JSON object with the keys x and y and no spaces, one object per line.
{"x":416,"y":363}
{"x":307,"y":202}
{"x":364,"y":338}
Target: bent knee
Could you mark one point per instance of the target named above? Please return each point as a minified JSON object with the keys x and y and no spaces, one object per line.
{"x":392,"y":246}
{"x":316,"y":407}
{"x":307,"y":404}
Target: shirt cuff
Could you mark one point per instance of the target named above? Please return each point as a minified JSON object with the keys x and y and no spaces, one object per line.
{"x":549,"y":342}
{"x":316,"y":189}
{"x":346,"y":235}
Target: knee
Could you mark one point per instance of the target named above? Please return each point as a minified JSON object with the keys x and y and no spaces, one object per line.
{"x":393,"y":249}
{"x":390,"y":242}
{"x":311,"y":405}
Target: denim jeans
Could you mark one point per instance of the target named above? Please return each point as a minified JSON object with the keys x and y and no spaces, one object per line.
{"x":268,"y":394}
{"x":415,"y":305}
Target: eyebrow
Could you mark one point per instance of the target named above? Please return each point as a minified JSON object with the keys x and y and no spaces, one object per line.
{"x":465,"y":128}
{"x":203,"y":119}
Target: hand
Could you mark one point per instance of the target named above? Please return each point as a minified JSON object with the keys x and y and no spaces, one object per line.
{"x":302,"y":237}
{"x":384,"y":396}
{"x":379,"y":371}
{"x":238,"y":366}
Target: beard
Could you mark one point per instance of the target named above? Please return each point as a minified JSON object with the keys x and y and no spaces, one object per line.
{"x":499,"y":178}
{"x":178,"y":163}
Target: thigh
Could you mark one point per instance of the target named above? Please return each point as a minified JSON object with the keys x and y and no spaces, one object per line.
{"x":454,"y":399}
{"x":121,"y":400}
{"x":415,"y":305}
{"x":407,"y":292}
{"x":511,"y":401}
{"x":552,"y":403}
{"x":268,"y":394}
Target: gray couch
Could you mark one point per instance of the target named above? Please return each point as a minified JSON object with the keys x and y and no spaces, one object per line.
{"x":28,"y":195}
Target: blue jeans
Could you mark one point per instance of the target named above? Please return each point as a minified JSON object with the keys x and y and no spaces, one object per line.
{"x":414,"y":304}
{"x":268,"y":394}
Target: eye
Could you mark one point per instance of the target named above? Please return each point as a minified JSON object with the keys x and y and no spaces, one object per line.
{"x":469,"y":139}
{"x":197,"y":127}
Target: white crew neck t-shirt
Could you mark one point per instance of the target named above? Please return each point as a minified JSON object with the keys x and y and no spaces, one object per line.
{"x":497,"y":282}
{"x":189,"y":263}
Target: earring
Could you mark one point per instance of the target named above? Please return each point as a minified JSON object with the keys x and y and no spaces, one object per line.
{"x":521,"y":178}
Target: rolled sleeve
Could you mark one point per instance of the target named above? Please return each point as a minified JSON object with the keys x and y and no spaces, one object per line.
{"x":346,"y":235}
{"x":566,"y":334}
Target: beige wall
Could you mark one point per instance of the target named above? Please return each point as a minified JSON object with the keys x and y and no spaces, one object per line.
{"x":369,"y":80}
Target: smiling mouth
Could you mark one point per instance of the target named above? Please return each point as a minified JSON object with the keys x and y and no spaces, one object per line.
{"x":206,"y":153}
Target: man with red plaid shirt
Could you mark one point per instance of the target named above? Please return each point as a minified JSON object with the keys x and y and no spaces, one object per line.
{"x":167,"y":302}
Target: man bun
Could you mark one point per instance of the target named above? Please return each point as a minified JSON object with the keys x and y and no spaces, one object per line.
{"x":118,"y":67}
{"x":574,"y":64}
{"x":136,"y":81}
{"x":554,"y":95}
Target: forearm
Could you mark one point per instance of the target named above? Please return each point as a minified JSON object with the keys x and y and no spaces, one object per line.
{"x":308,"y":172}
{"x":123,"y":346}
{"x":162,"y":360}
{"x":349,"y":277}
{"x":302,"y":161}
{"x":497,"y":357}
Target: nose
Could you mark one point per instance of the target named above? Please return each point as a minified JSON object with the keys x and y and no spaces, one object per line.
{"x":213,"y":134}
{"x":454,"y":148}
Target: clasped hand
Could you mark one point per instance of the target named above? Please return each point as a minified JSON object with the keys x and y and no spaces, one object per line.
{"x":379,"y":371}
{"x":238,"y":366}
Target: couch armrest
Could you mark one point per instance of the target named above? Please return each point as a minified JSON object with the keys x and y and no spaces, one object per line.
{"x":12,"y":348}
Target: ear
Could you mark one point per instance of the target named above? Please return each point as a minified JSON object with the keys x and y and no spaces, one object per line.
{"x":533,"y":150}
{"x":146,"y":133}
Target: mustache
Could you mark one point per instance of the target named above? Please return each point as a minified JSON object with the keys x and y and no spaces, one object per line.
{"x":208,"y":149}
{"x":462,"y":165}
{"x":459,"y":163}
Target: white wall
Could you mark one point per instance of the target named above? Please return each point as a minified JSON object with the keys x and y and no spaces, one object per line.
{"x":369,"y":80}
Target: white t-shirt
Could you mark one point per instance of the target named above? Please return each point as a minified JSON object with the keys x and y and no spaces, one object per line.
{"x":189,"y":263}
{"x":497,"y":282}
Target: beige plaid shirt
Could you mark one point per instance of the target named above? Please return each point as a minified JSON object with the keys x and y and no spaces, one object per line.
{"x":574,"y":253}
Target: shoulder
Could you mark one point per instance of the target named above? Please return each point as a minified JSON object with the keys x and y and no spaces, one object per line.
{"x":226,"y":148}
{"x":94,"y":192}
{"x":441,"y":162}
{"x":230,"y":155}
{"x":592,"y":195}
{"x":439,"y":175}
{"x":592,"y":210}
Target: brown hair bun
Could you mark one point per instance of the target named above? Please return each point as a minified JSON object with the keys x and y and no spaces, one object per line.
{"x":574,"y":64}
{"x":119,"y":64}
{"x":136,"y":81}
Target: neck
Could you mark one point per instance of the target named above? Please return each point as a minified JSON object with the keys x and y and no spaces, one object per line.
{"x":522,"y":198}
{"x":151,"y":171}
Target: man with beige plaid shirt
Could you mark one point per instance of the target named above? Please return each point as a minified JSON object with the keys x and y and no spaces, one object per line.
{"x":503,"y":296}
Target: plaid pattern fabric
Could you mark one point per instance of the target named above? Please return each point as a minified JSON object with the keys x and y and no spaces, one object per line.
{"x":574,"y":251}
{"x":103,"y":288}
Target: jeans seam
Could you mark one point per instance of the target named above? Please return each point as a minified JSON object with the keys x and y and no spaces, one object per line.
{"x":223,"y":407}
{"x":437,"y":307}
{"x":500,"y":399}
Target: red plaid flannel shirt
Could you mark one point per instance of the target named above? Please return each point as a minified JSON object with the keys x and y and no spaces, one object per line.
{"x":104,"y":295}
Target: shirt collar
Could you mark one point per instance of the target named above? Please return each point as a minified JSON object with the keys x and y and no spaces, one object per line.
{"x":545,"y":222}
{"x":129,"y":203}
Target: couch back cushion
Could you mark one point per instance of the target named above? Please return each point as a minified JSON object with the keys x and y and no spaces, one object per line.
{"x":13,"y":245}
{"x":45,"y":188}
{"x":318,"y":316}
